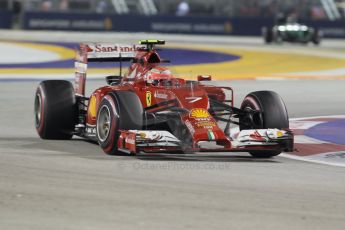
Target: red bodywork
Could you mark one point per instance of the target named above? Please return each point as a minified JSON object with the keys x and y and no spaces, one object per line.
{"x":146,"y":77}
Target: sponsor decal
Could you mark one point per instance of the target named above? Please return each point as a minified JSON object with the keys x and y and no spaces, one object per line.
{"x":92,"y":106}
{"x":161,"y":95}
{"x":80,"y":67}
{"x":90,"y":130}
{"x":88,"y":49}
{"x":156,"y":136}
{"x":142,"y":135}
{"x":199,"y":113}
{"x":210,"y":135}
{"x":79,"y":85}
{"x":130,"y":140}
{"x":187,"y":27}
{"x":193,"y":99}
{"x":275,"y":133}
{"x":190,"y":127}
{"x":257,"y":136}
{"x":105,"y":48}
{"x":69,"y":24}
{"x":80,"y":54}
{"x":333,"y":31}
{"x":148,"y":98}
{"x":206,"y":124}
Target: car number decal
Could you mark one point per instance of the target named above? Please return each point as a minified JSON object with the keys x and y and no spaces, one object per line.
{"x":193,"y":99}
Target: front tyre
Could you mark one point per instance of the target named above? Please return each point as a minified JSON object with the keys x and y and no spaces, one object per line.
{"x":273,"y":114}
{"x":55,"y":109}
{"x":120,"y":110}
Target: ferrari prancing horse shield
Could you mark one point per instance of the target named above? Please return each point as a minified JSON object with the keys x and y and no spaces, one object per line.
{"x":148,"y":98}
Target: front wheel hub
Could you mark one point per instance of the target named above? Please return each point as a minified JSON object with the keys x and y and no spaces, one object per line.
{"x":103,"y":123}
{"x":252,"y":118}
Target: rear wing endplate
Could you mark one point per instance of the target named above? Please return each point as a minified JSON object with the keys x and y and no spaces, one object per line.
{"x":100,"y":52}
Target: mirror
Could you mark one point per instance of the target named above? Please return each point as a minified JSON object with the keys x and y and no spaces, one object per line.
{"x":113,"y":79}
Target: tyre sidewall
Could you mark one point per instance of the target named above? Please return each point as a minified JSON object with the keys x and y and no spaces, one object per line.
{"x":274,"y":115}
{"x":271,"y":105}
{"x":109,"y":145}
{"x":252,"y":103}
{"x":41,"y":124}
{"x":126,"y":113}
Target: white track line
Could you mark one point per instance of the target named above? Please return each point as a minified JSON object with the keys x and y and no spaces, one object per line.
{"x":310,"y":158}
{"x":315,"y":117}
{"x":294,"y":157}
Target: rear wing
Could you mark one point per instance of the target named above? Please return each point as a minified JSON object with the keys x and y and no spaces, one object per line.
{"x":100,"y":52}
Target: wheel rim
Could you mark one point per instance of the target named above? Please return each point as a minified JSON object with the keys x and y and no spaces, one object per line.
{"x":103,"y":123}
{"x":255,"y":119}
{"x":38,"y":110}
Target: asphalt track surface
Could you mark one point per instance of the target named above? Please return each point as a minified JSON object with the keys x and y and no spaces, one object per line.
{"x":73,"y":185}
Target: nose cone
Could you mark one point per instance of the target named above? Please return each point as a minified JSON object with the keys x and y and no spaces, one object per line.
{"x":191,"y":98}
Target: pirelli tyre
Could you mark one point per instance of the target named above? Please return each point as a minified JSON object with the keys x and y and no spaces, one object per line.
{"x":271,"y":113}
{"x":55,"y":109}
{"x":118,"y":110}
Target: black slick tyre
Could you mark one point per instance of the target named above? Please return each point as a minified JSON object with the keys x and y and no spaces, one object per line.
{"x":118,"y":110}
{"x":273,"y":115}
{"x":55,"y":109}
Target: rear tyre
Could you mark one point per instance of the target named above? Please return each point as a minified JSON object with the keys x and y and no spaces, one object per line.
{"x":273,"y":115}
{"x":268,"y":35}
{"x":316,"y":38}
{"x":55,"y":110}
{"x":121,"y":110}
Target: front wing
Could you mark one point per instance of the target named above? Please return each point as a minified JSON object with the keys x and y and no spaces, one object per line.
{"x":135,"y":141}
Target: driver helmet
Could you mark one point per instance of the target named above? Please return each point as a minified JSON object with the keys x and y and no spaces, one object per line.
{"x":157,"y":76}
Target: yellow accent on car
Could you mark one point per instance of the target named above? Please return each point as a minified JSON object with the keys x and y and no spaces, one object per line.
{"x":142,"y":135}
{"x":280,"y":134}
{"x":148,"y":98}
{"x":92,"y":106}
{"x":152,"y":41}
{"x":199,"y":113}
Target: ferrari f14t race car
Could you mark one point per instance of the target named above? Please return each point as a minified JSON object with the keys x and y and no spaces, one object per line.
{"x":148,"y":109}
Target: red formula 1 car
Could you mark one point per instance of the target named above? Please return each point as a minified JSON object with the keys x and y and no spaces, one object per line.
{"x":149,"y":110}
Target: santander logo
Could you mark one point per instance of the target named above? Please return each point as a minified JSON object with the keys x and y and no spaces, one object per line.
{"x":89,"y":49}
{"x":101,"y":48}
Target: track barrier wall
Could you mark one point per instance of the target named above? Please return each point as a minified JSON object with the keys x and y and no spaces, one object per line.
{"x":5,"y":19}
{"x":163,"y":24}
